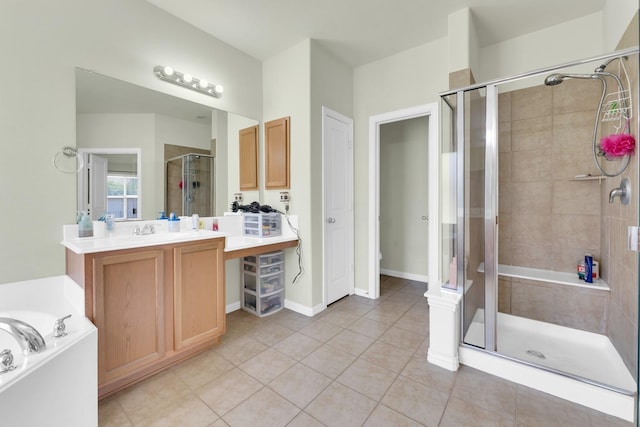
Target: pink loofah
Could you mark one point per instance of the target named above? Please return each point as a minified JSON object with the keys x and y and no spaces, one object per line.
{"x":618,"y":145}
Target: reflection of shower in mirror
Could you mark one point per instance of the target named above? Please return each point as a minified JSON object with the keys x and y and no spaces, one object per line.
{"x":190,"y":185}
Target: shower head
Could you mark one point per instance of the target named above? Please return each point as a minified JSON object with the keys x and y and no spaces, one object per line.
{"x":556,"y":79}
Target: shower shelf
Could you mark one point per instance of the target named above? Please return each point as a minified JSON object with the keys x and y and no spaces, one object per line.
{"x":549,"y":276}
{"x":588,"y":177}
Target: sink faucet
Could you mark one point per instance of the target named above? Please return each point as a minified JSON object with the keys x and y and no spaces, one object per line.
{"x":147,"y":229}
{"x":30,"y":339}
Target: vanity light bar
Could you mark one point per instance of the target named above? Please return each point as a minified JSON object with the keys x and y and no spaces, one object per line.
{"x":170,"y":75}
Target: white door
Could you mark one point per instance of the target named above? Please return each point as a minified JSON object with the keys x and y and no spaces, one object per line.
{"x":98,"y":167}
{"x":337,"y":145}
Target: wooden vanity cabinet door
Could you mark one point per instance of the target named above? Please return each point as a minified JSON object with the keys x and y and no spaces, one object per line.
{"x":248,"y":158}
{"x":128,"y":312}
{"x":199,"y":298}
{"x":276,"y":148}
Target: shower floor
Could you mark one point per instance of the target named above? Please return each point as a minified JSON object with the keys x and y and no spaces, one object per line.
{"x":578,"y":353}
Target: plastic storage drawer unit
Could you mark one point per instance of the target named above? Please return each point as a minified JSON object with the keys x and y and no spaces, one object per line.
{"x":263,"y":283}
{"x":262,"y":224}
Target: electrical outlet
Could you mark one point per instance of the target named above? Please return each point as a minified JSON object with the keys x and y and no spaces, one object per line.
{"x":284,"y":197}
{"x":237,"y":197}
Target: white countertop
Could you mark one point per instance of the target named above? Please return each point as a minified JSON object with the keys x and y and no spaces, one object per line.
{"x":122,"y":238}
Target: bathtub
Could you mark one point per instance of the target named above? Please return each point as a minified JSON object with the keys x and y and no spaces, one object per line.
{"x":58,"y":386}
{"x":582,"y":367}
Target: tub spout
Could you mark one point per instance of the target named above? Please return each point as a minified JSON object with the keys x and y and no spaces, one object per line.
{"x":623,"y":192}
{"x":30,"y":339}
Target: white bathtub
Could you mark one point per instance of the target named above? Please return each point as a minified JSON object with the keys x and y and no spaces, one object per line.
{"x":569,"y":353}
{"x":58,"y":386}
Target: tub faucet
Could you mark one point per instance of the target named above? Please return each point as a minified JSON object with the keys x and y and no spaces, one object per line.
{"x":29,"y":338}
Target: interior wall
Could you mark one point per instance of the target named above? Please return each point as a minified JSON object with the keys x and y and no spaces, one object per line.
{"x":403,"y":202}
{"x":105,"y":37}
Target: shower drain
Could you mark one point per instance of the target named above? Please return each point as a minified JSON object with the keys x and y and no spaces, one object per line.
{"x":536,"y":353}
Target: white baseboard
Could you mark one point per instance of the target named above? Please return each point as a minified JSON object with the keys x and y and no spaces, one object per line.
{"x":303,"y":309}
{"x":362,"y":292}
{"x":232,"y":307}
{"x":404,"y":275}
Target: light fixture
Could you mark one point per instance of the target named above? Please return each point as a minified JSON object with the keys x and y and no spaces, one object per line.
{"x":170,"y":75}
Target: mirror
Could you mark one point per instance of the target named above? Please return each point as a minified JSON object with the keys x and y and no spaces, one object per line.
{"x":114,"y":117}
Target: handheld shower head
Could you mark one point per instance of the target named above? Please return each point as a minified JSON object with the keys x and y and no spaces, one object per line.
{"x":556,"y":79}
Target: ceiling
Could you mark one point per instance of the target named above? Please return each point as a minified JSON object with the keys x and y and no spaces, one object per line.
{"x":362,"y":31}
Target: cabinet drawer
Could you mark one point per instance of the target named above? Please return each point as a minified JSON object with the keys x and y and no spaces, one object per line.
{"x":265,"y":269}
{"x":263,"y":306}
{"x":268,"y":284}
{"x":266,"y":259}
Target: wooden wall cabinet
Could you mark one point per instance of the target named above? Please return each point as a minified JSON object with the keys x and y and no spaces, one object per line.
{"x":153,"y":306}
{"x":248,"y":158}
{"x":277,"y":154}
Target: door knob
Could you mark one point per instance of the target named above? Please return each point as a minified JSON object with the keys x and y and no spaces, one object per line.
{"x":424,"y":217}
{"x":331,"y":220}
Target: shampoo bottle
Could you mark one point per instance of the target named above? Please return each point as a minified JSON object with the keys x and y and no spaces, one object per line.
{"x":588,"y":263}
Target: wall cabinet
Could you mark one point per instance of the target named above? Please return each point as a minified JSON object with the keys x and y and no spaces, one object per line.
{"x":248,"y":158}
{"x":153,"y":306}
{"x":277,"y":156}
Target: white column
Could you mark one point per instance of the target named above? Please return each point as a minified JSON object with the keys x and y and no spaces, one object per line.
{"x":444,"y":328}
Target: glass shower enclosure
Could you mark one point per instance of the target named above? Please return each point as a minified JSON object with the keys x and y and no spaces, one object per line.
{"x":190,"y":185}
{"x":526,"y":190}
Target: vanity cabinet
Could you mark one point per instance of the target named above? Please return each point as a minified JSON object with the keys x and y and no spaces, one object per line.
{"x":248,"y":141}
{"x":198,"y":270}
{"x":153,"y":306}
{"x":277,"y":154}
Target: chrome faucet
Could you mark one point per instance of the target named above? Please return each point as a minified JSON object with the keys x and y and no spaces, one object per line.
{"x":29,"y":338}
{"x":624,"y":192}
{"x":147,"y":229}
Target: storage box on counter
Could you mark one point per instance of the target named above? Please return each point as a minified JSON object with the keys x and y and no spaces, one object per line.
{"x":262,"y":224}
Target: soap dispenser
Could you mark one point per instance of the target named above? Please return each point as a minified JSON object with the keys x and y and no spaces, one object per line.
{"x":85,"y":225}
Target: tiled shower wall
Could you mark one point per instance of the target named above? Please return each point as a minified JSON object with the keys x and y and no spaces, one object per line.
{"x":622,"y":274}
{"x":549,"y":221}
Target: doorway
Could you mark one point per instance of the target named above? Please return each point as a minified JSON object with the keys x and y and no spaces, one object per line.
{"x":427,"y":194}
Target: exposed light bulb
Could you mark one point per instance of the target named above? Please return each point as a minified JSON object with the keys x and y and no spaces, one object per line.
{"x":219,"y":88}
{"x":168,"y":71}
{"x":187,"y":78}
{"x":204,"y":83}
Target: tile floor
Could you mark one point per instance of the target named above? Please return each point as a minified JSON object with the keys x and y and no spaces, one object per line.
{"x":360,"y":362}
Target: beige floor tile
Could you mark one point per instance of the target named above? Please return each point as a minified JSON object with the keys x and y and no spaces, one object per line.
{"x":293,"y":320}
{"x":402,"y":338}
{"x":219,"y":423}
{"x":300,"y":384}
{"x":416,"y":401}
{"x":418,"y":324}
{"x":271,"y":333}
{"x":201,"y":369}
{"x":420,"y":370}
{"x":111,"y":414}
{"x":229,"y":390}
{"x":265,"y":408}
{"x":240,"y":349}
{"x":338,"y":405}
{"x":459,"y":413}
{"x":388,"y":356}
{"x":304,"y":420}
{"x":340,"y":318}
{"x":369,"y":327}
{"x":385,"y":313}
{"x":383,"y":416}
{"x":486,"y":391}
{"x":368,"y":379}
{"x":267,"y":366}
{"x":351,"y":342}
{"x":144,"y":399}
{"x":190,"y":412}
{"x":357,"y":307}
{"x":321,"y":331}
{"x":298,"y":346}
{"x":329,"y":361}
{"x":540,"y":409}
